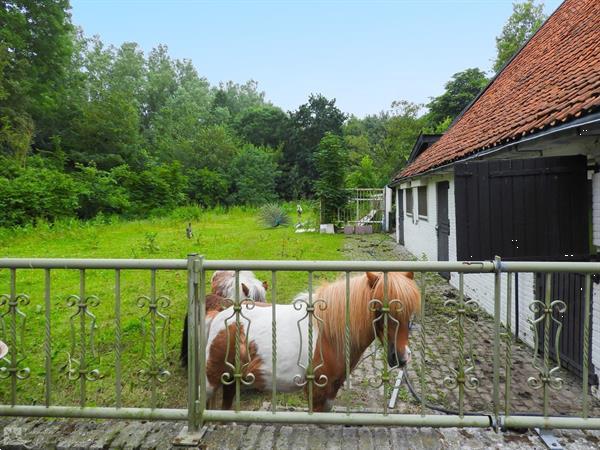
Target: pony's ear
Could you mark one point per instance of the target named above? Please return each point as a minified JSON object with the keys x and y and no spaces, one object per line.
{"x":266,"y":285}
{"x":373,"y":278}
{"x":246,"y":290}
{"x":410,"y":275}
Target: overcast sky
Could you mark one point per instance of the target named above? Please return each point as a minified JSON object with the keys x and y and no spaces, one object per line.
{"x":363,"y":53}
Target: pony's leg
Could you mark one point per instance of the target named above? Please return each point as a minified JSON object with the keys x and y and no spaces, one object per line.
{"x":212,"y":394}
{"x":228,"y":394}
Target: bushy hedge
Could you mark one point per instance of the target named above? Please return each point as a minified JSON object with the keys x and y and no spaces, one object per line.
{"x":45,"y":193}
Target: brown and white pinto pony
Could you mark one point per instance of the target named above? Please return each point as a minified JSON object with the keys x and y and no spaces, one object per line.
{"x":404,"y":299}
{"x":222,"y":285}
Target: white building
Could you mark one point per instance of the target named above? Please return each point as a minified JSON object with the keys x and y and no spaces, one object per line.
{"x":517,"y":175}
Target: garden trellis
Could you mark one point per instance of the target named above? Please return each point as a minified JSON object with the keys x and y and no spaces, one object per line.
{"x":365,"y":206}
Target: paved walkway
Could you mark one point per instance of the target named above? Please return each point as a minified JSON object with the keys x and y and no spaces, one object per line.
{"x":441,"y":359}
{"x":87,"y":434}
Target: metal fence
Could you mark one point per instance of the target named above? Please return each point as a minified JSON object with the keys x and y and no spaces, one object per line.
{"x":546,"y":311}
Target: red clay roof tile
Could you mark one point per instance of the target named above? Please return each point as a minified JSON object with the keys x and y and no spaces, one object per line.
{"x":553,"y":79}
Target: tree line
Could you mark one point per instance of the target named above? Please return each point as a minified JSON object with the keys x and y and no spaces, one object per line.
{"x":88,"y":128}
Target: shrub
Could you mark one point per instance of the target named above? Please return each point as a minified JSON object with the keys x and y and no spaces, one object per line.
{"x":37,"y":193}
{"x":100,"y":193}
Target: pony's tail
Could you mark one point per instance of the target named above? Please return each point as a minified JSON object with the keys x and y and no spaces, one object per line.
{"x":184,"y":343}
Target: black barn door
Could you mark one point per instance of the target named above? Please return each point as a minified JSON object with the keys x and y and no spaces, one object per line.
{"x":530,"y":209}
{"x":443,"y":225}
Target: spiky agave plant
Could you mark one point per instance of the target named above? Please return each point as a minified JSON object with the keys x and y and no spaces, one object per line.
{"x":273,"y":215}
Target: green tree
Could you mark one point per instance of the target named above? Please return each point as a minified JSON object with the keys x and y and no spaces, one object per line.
{"x":254,"y":172}
{"x":365,"y":175}
{"x":230,"y":99}
{"x":527,"y":17}
{"x":462,"y":88}
{"x":331,"y":162}
{"x":36,"y":45}
{"x":161,"y":82}
{"x":308,"y":125}
{"x":263,"y":125}
{"x":403,"y":128}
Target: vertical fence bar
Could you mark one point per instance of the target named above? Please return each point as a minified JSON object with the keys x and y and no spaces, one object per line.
{"x":385,"y":378}
{"x":48,"y":337}
{"x":461,"y":345}
{"x":274,"y":339}
{"x":508,"y":349}
{"x":13,"y":348}
{"x":347,"y":342}
{"x":118,"y":345}
{"x":153,"y":300}
{"x":423,"y":345}
{"x":237,"y":359}
{"x":309,"y":367}
{"x":200,"y":339}
{"x":192,"y":327}
{"x":586,"y":344}
{"x":547,"y":323}
{"x":83,"y":365}
{"x":497,"y":322}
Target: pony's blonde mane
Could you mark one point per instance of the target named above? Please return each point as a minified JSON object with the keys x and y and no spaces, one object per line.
{"x":400,"y":287}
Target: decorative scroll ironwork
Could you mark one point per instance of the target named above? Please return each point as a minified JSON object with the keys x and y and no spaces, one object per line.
{"x":310,"y":369}
{"x":236,"y":375}
{"x":154,"y":332}
{"x":546,"y":313}
{"x":463,"y":377}
{"x":383,"y":311}
{"x":77,"y":366}
{"x":13,"y":334}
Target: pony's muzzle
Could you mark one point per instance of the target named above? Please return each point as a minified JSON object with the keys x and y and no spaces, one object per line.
{"x":398,"y":359}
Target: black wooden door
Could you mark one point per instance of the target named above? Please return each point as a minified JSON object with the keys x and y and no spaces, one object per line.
{"x":400,"y":224}
{"x":527,"y":209}
{"x":443,"y":224}
{"x":530,"y":209}
{"x":570,"y":288}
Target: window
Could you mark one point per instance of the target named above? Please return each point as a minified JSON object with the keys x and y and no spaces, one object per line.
{"x":422,"y":197}
{"x":409,"y":202}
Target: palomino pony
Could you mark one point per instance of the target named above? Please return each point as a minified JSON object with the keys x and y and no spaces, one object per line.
{"x":366,"y":303}
{"x":223,"y":287}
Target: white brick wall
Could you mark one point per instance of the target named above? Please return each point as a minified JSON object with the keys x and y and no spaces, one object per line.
{"x":420,"y":237}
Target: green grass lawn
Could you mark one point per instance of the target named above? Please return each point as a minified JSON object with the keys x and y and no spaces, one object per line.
{"x":235,"y":234}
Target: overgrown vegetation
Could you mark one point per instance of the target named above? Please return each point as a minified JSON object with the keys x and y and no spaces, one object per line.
{"x":88,"y":129}
{"x":217,"y":234}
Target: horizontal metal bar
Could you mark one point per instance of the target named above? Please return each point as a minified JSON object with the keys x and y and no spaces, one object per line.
{"x":71,"y":263}
{"x":181,"y":264}
{"x":412,"y":420}
{"x":550,"y":266}
{"x":353,"y":266}
{"x":399,"y":266}
{"x":95,"y":412}
{"x":550,"y":422}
